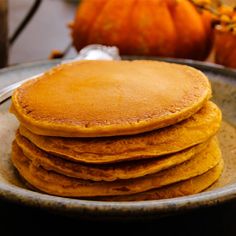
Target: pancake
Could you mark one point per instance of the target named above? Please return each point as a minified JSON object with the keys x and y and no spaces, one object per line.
{"x":196,"y":129}
{"x":109,"y":98}
{"x":187,"y":187}
{"x":111,"y":172}
{"x":57,"y":184}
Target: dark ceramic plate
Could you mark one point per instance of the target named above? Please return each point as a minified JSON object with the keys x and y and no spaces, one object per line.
{"x":224,"y":87}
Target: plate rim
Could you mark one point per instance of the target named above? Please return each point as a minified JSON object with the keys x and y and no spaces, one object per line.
{"x":138,"y":208}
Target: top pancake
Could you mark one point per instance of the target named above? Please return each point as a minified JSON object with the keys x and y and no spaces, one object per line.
{"x":109,"y":98}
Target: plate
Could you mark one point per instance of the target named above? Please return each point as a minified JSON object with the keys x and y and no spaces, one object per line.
{"x":224,"y":94}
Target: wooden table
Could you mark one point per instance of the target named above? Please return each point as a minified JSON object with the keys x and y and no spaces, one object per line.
{"x":3,"y":34}
{"x":46,"y":31}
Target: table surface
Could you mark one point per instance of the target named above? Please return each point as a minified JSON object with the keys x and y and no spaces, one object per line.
{"x":212,"y":221}
{"x":48,"y":31}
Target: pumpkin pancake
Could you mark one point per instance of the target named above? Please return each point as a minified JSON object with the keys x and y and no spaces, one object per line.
{"x":194,"y":130}
{"x":187,"y":187}
{"x":57,"y":184}
{"x":109,"y":98}
{"x":109,"y":172}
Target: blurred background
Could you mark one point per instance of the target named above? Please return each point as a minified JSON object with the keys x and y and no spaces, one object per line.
{"x":47,"y":34}
{"x":46,"y":31}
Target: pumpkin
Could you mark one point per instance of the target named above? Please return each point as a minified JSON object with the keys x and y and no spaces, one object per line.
{"x":166,"y":28}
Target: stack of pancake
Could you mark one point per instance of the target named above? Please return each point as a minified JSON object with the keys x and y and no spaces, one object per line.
{"x":118,"y":131}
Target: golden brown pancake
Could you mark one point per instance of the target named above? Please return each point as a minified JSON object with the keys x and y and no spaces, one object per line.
{"x":57,"y":184}
{"x":109,"y":172}
{"x":196,"y":129}
{"x":109,"y":98}
{"x":187,"y":187}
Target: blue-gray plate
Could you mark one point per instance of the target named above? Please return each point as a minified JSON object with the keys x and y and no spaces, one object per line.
{"x":11,"y":188}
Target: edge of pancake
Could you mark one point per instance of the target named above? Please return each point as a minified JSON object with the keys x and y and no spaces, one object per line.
{"x":142,"y":125}
{"x":187,"y":187}
{"x":141,"y":146}
{"x":56,"y":184}
{"x":111,"y":172}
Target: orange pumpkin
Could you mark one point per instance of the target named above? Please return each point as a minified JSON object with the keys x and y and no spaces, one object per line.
{"x":225,"y":48}
{"x":167,"y":28}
